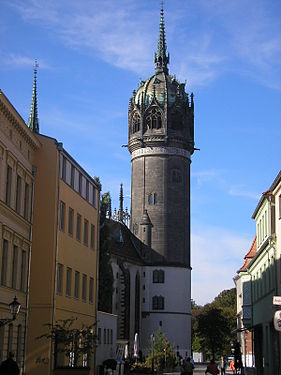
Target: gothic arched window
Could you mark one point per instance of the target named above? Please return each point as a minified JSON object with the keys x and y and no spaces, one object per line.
{"x":158,"y":276}
{"x":158,"y":303}
{"x":153,"y":119}
{"x":135,"y":123}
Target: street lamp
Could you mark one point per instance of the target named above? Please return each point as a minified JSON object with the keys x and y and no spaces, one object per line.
{"x":14,"y":309}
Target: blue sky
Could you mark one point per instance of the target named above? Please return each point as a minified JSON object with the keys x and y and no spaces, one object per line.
{"x":92,"y":54}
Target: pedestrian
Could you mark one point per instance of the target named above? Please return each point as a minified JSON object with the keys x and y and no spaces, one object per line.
{"x":9,"y":367}
{"x":222,"y":365}
{"x":192,"y":362}
{"x":188,"y":367}
{"x":212,"y":368}
{"x":182,"y":366}
{"x":232,"y":367}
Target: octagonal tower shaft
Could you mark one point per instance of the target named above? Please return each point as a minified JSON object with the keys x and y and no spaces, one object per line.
{"x":161,"y":141}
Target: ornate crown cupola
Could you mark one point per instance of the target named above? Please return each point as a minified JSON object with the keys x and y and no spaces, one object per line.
{"x":161,"y":113}
{"x":161,"y":57}
{"x":33,"y":122}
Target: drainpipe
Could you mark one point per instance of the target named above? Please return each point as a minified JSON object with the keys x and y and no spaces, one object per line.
{"x":60,"y":149}
{"x":28,"y":268}
{"x":97,"y":276}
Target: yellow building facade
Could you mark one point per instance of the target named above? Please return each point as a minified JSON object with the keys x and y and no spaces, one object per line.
{"x":63,"y":280}
{"x":18,"y":147}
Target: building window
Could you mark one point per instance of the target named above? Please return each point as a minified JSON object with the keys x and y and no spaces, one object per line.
{"x":91,"y":290}
{"x":18,"y":195}
{"x":70,"y":221}
{"x":152,"y":198}
{"x":23,"y":271}
{"x":78,"y":227}
{"x":135,"y":123}
{"x":4,"y":263}
{"x":158,"y":303}
{"x":104,"y":336}
{"x":8,"y":185}
{"x":15,"y":267}
{"x":59,"y":278}
{"x":86,"y":224}
{"x":63,"y":168}
{"x":62,"y":215}
{"x":84,"y":287}
{"x":26,"y":201}
{"x":19,"y":344}
{"x":68,"y":281}
{"x":94,"y":197}
{"x":77,"y":284}
{"x":80,"y":183}
{"x":72,"y":178}
{"x":111,"y":336}
{"x":92,"y":236}
{"x":154,"y":119}
{"x":87,"y":190}
{"x":158,"y":276}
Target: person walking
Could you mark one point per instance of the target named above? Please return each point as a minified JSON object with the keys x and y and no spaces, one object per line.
{"x":188,"y":367}
{"x":222,"y":365}
{"x":232,"y":367}
{"x":9,"y":367}
{"x":212,"y":368}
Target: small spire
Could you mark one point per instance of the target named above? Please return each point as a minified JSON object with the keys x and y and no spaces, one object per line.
{"x":161,"y":57}
{"x":121,"y":199}
{"x":33,"y":122}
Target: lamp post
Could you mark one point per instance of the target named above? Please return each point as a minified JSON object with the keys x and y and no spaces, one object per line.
{"x":152,"y":353}
{"x":14,"y":309}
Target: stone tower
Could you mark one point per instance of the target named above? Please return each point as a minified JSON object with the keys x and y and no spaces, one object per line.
{"x":161,"y":141}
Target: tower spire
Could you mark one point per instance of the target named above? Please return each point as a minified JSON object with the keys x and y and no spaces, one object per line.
{"x":121,"y":198}
{"x":162,"y":59}
{"x":33,"y":122}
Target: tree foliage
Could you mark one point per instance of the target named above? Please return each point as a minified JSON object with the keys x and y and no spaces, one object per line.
{"x":163,"y":353}
{"x":74,"y":343}
{"x":213,"y":324}
{"x":105,"y":269}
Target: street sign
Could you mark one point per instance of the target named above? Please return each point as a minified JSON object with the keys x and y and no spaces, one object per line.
{"x":276,"y":300}
{"x":277,"y":320}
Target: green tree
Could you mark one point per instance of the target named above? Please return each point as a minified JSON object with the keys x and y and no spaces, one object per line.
{"x":212,"y":328}
{"x":163,"y":353}
{"x":72,"y":344}
{"x":105,"y":269}
{"x":213,"y":324}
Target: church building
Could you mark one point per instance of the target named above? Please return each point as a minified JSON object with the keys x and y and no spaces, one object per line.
{"x":161,"y":142}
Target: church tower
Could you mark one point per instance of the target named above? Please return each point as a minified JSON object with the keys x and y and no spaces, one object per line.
{"x":161,"y":142}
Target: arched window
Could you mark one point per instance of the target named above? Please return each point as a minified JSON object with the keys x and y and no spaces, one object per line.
{"x":158,"y":303}
{"x":153,"y":119}
{"x":158,"y":276}
{"x":135,"y":123}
